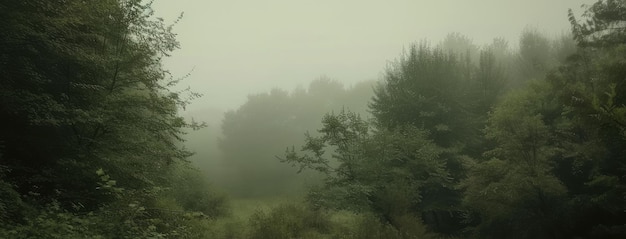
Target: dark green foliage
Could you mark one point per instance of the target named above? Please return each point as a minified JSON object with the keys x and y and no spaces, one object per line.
{"x":423,"y":89}
{"x":12,"y":208}
{"x":591,"y":87}
{"x":515,"y":191}
{"x":603,"y":26}
{"x":448,"y":97}
{"x":89,"y":130}
{"x":395,"y":174}
{"x":82,"y":89}
{"x":558,"y":165}
{"x":548,"y":159}
{"x":90,"y":137}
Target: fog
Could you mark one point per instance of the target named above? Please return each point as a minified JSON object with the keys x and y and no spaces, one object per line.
{"x":235,"y":48}
{"x":313,"y":119}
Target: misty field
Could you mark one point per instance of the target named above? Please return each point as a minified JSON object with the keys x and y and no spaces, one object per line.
{"x":290,"y":119}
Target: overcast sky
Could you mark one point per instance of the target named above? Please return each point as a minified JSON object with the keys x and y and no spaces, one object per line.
{"x":238,"y":47}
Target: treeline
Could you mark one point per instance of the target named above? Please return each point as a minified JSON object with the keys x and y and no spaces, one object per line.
{"x":491,"y":145}
{"x":457,"y":140}
{"x":258,"y":130}
{"x":90,"y":139}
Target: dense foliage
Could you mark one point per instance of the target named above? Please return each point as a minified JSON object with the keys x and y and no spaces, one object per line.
{"x":464,"y":141}
{"x":530,"y":146}
{"x":89,"y":131}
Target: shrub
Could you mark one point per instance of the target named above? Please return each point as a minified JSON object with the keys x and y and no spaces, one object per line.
{"x":289,"y":221}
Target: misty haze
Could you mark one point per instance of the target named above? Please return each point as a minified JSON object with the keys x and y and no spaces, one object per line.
{"x":313,"y":119}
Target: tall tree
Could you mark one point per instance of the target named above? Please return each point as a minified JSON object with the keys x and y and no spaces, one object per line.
{"x":423,"y":89}
{"x":514,"y":188}
{"x":557,"y":168}
{"x":396,"y":174}
{"x":85,"y":108}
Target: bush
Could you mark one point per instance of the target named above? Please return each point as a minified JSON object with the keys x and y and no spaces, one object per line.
{"x":53,"y":222}
{"x":194,"y":194}
{"x":11,"y":206}
{"x":289,"y":221}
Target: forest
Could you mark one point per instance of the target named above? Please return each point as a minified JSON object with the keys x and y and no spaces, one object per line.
{"x":455,"y":140}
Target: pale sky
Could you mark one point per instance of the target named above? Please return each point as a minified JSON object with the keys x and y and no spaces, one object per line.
{"x":238,"y":47}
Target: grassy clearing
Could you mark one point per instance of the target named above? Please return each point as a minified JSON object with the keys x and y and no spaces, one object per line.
{"x":284,"y":218}
{"x":238,"y":224}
